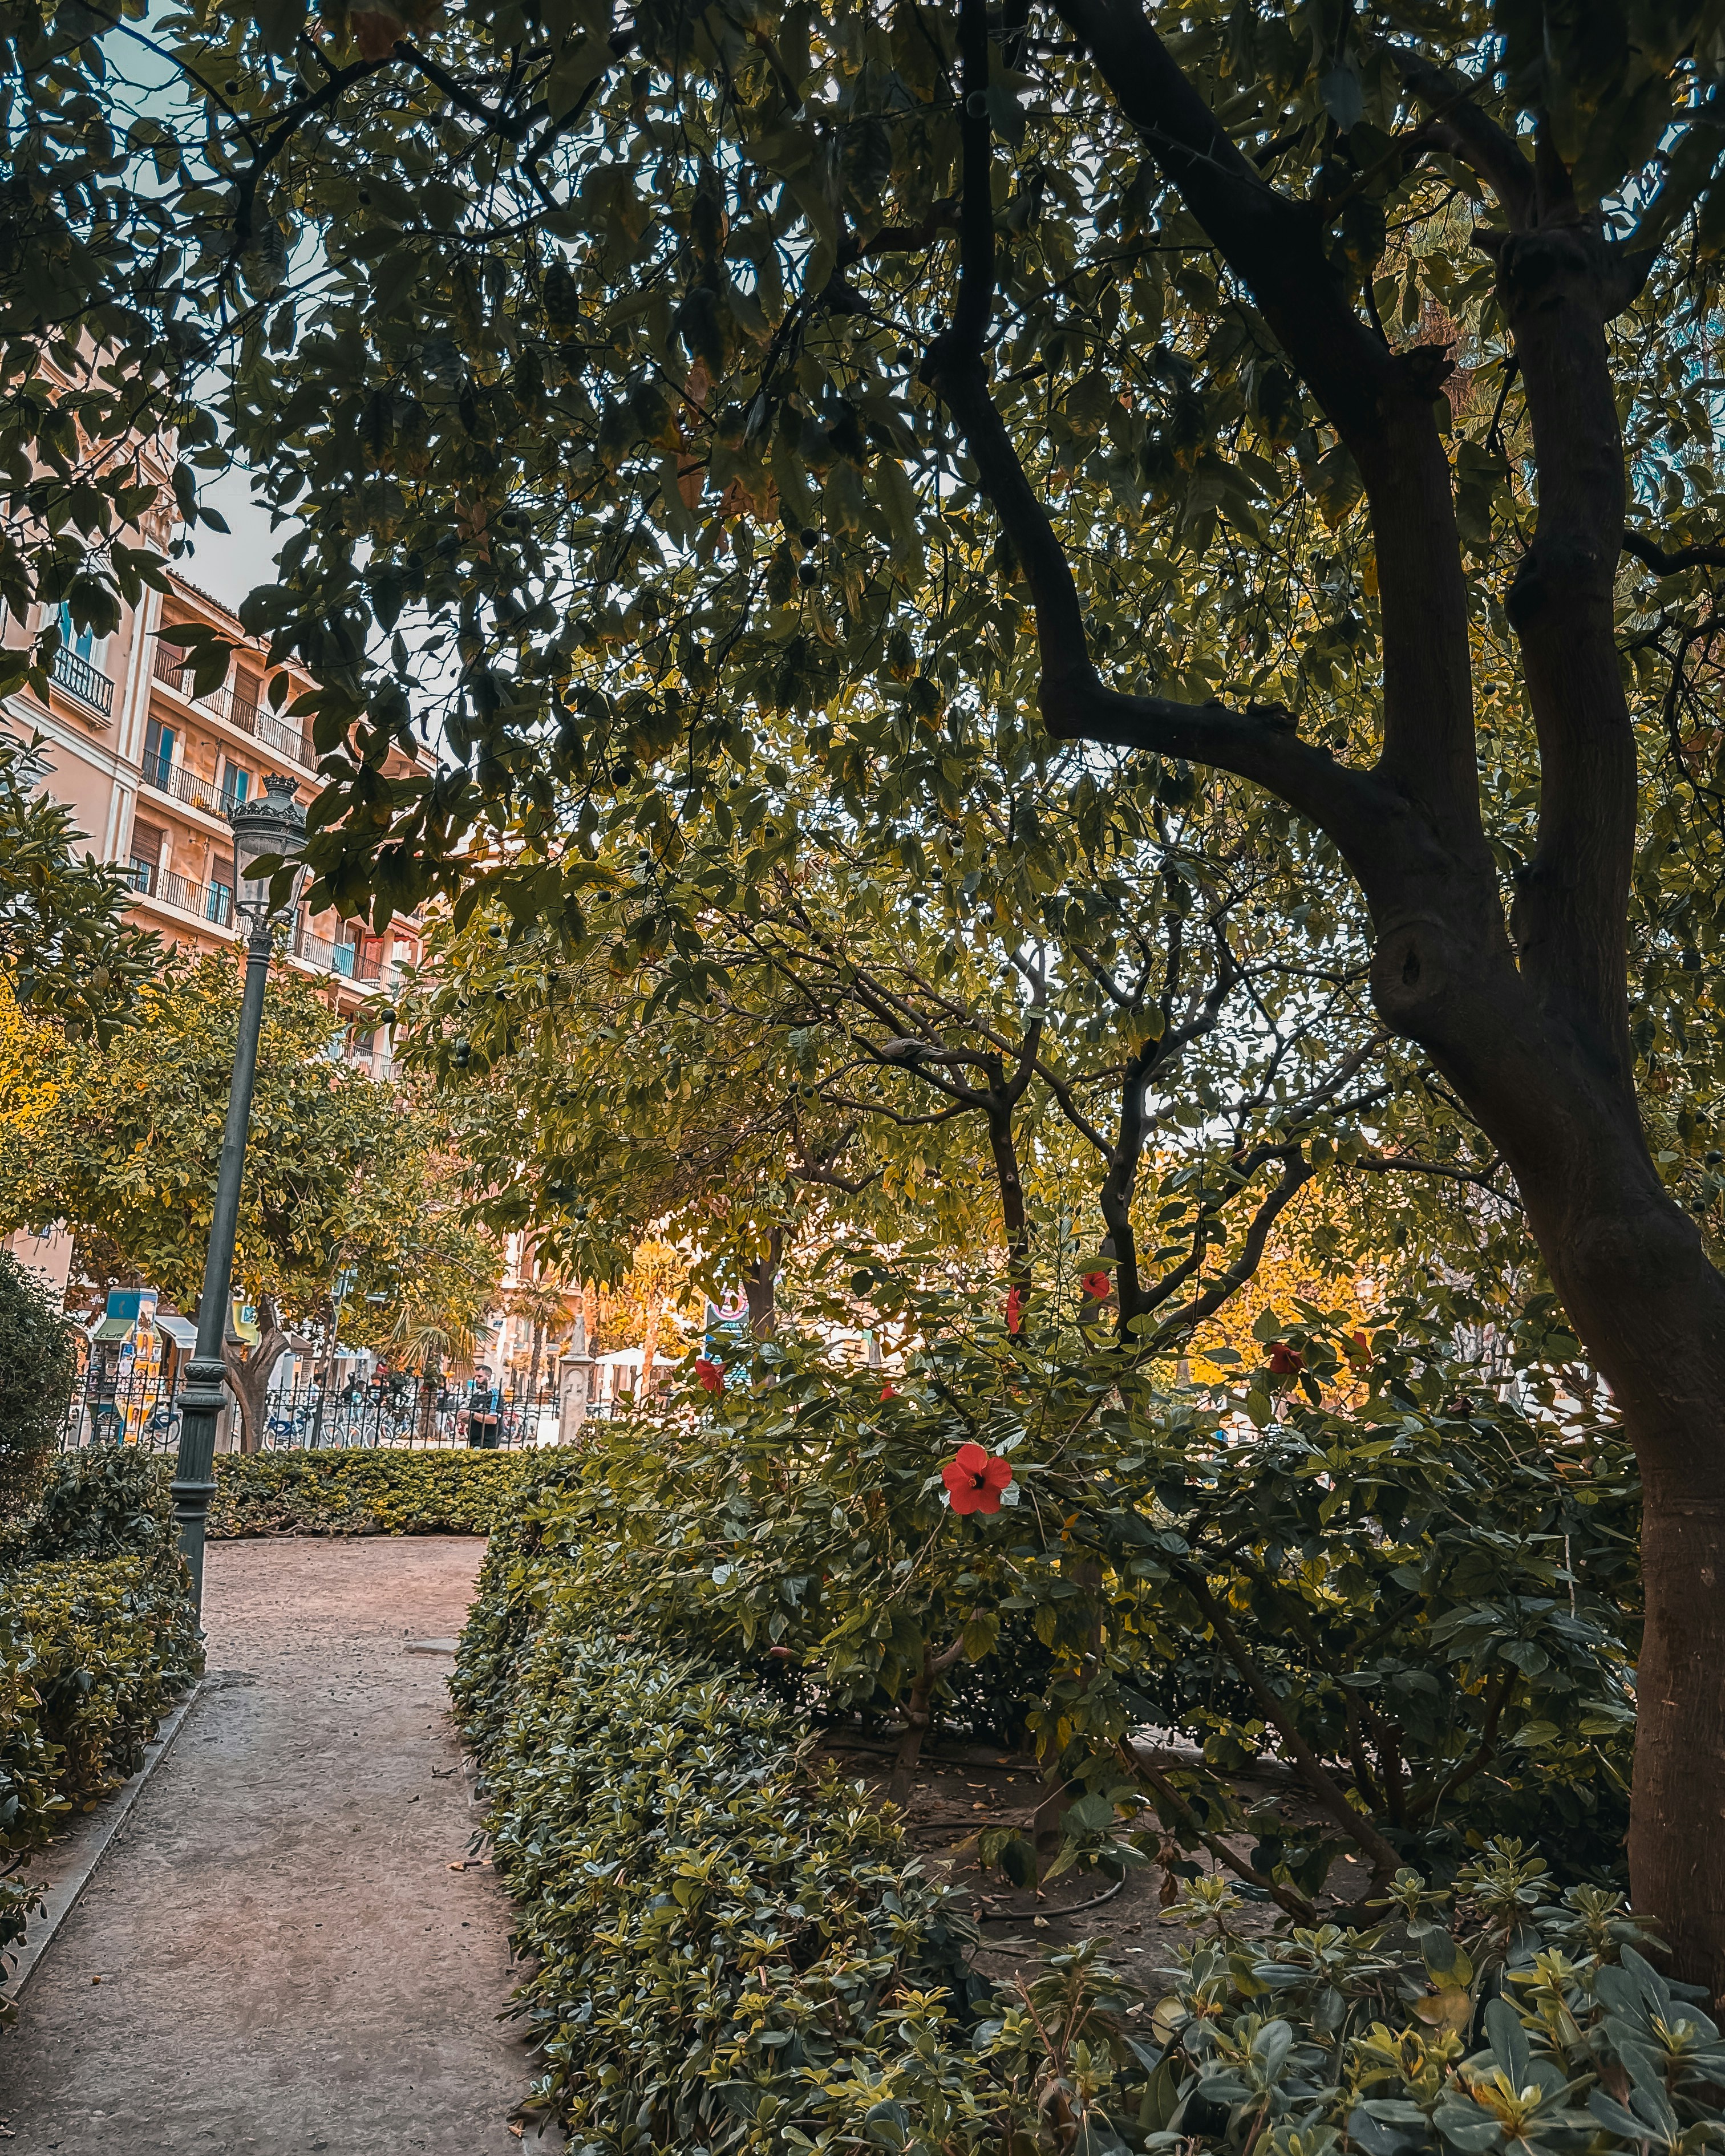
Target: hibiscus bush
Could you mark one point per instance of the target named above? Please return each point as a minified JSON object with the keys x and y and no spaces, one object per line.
{"x":1414,"y":1593}
{"x":730,"y":1948}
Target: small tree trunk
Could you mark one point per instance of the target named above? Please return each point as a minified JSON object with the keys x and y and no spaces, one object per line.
{"x":1014,"y":1226}
{"x":533,"y":1365}
{"x":919,"y":1718}
{"x":248,"y":1374}
{"x":760,"y":1284}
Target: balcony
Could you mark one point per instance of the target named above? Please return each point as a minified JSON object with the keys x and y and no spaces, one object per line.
{"x":343,"y":960}
{"x":80,"y":679}
{"x":273,"y":733}
{"x":179,"y":785}
{"x":212,"y":903}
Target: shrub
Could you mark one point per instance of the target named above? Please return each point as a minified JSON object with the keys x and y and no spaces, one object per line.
{"x":105,"y":1647}
{"x":38,"y":1367}
{"x":110,"y":1500}
{"x":732,"y":1954}
{"x":706,"y":1910}
{"x":1388,"y":1566}
{"x":92,"y":1654}
{"x":705,"y":1906}
{"x":386,"y":1492}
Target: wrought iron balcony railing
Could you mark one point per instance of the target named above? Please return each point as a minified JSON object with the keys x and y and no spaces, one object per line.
{"x":276,"y":734}
{"x":80,"y":679}
{"x":212,"y":903}
{"x":180,"y":784}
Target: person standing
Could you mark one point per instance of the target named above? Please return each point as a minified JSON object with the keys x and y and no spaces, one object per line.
{"x":485,"y":1409}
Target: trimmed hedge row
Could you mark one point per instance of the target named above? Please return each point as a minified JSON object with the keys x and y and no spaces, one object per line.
{"x":95,"y":1644}
{"x":387,"y":1492}
{"x":710,"y":1913}
{"x":734,"y":1954}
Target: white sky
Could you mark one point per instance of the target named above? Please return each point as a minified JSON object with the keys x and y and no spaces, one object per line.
{"x":227,"y":567}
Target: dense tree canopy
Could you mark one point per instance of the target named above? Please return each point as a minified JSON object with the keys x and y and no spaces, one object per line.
{"x":930,"y":401}
{"x":340,"y":1171}
{"x":64,"y":951}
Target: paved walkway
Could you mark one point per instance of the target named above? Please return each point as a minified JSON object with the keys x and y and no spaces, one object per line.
{"x":276,"y":1955}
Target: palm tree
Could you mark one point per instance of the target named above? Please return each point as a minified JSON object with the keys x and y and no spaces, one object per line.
{"x":432,"y":1342}
{"x":543,"y":1303}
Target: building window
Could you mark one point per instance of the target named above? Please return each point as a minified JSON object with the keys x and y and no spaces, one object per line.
{"x":236,"y":786}
{"x":219,"y":907}
{"x":158,"y":755}
{"x":146,"y":866}
{"x":83,"y":643}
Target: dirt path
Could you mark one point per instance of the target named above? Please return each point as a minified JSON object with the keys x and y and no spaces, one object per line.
{"x":277,"y":1956}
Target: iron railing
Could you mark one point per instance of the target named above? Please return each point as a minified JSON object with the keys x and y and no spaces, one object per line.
{"x":174,"y":780}
{"x":344,"y":960}
{"x":115,"y":1404}
{"x":212,"y":903}
{"x":80,"y":679}
{"x":243,"y":711}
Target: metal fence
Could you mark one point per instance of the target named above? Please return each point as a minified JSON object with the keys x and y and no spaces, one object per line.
{"x":392,"y":1409}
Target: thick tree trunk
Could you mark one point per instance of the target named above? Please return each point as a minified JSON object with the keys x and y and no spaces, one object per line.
{"x":1633,"y":1277}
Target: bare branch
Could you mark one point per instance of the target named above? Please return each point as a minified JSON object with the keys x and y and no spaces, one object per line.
{"x":1667,"y":562}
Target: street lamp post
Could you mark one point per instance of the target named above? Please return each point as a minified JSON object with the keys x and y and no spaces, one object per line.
{"x":264,"y":830}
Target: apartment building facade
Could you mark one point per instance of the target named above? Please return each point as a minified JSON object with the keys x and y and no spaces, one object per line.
{"x":150,"y":773}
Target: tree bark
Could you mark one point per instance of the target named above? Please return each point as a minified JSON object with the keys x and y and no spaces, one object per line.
{"x":760,"y":1284}
{"x":1003,"y":1152}
{"x":249,"y":1372}
{"x":533,"y":1365}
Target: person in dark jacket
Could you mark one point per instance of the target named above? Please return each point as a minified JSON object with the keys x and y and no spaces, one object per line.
{"x":484,"y":1411}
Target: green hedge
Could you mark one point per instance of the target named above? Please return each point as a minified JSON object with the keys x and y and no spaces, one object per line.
{"x":95,"y":1647}
{"x":706,"y":1908}
{"x":110,"y":1500}
{"x":733,"y":1954}
{"x":432,"y":1492}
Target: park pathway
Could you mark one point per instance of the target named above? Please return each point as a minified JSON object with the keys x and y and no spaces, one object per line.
{"x":277,"y":1956}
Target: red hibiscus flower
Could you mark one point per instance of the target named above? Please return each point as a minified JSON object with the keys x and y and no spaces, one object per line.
{"x":975,"y":1479}
{"x":708,"y":1375}
{"x":889,"y":1392}
{"x":1014,"y":1310}
{"x":1286,"y":1362}
{"x":1096,"y":1286}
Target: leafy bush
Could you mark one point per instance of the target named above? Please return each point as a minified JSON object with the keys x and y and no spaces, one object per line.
{"x":92,"y":1655}
{"x":110,"y":1500}
{"x":38,"y":1367}
{"x":731,"y":1954}
{"x":1384,"y":1564}
{"x":706,"y":1909}
{"x":386,"y":1492}
{"x":105,"y":1647}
